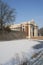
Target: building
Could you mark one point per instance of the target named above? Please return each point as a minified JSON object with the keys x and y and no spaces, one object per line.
{"x":30,"y":28}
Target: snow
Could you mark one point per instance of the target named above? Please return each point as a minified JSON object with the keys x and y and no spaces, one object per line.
{"x":10,"y":49}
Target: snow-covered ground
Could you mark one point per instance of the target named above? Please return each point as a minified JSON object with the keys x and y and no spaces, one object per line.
{"x":16,"y":48}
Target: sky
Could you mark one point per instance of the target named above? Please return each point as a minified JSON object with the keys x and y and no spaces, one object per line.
{"x":27,"y":10}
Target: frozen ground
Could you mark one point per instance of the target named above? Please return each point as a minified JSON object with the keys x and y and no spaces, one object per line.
{"x":18,"y":48}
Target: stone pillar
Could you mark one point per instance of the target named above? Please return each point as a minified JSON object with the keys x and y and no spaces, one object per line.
{"x":35,"y":31}
{"x":29,"y":29}
{"x":31,"y":32}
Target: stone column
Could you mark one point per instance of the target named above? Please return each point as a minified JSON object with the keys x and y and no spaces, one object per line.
{"x":29,"y":33}
{"x":35,"y":31}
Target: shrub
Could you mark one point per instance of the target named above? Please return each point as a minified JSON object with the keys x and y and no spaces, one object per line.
{"x":7,"y":29}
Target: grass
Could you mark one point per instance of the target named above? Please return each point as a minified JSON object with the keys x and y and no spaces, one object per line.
{"x":38,"y":37}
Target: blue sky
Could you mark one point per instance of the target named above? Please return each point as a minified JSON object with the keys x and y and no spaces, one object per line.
{"x":27,"y":10}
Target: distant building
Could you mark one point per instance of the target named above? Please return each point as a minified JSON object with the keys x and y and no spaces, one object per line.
{"x":30,"y":28}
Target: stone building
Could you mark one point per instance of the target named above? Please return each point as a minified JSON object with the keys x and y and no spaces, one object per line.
{"x":30,"y":28}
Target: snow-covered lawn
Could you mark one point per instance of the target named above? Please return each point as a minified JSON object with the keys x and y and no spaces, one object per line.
{"x":16,"y":48}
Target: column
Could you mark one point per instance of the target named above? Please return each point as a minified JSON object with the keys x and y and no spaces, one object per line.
{"x":29,"y":29}
{"x":35,"y":31}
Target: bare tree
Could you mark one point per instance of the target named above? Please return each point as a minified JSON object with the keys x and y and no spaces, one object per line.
{"x":7,"y":14}
{"x":41,"y":31}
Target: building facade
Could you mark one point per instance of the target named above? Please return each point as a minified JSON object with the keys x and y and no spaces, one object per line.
{"x":30,"y":28}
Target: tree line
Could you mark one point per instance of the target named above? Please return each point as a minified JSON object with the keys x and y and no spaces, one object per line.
{"x":7,"y":15}
{"x":41,"y":31}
